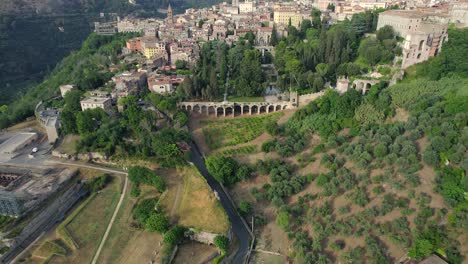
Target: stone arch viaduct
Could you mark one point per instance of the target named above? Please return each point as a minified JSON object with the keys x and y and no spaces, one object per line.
{"x":233,"y":108}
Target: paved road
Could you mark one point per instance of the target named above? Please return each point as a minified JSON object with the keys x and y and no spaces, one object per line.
{"x":238,"y":227}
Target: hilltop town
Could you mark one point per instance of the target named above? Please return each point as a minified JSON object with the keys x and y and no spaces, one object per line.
{"x":246,"y":132}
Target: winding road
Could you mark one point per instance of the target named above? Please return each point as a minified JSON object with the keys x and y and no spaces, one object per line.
{"x":238,"y":225}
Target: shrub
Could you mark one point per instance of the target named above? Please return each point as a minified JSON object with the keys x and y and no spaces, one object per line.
{"x":222,"y":243}
{"x":157,"y":222}
{"x":282,"y":219}
{"x":245,"y":208}
{"x":175,"y":235}
{"x":223,"y":169}
{"x":141,"y":175}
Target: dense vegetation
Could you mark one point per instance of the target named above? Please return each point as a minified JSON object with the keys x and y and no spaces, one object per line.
{"x":220,"y":64}
{"x":141,"y":175}
{"x":99,"y":131}
{"x":377,"y":162}
{"x":87,"y":68}
{"x":98,"y":183}
{"x":34,"y":41}
{"x":315,"y":53}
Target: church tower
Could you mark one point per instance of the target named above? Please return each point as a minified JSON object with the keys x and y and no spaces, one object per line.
{"x":170,"y":15}
{"x":235,"y":2}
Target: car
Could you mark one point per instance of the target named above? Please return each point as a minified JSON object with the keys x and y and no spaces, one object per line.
{"x":34,"y":150}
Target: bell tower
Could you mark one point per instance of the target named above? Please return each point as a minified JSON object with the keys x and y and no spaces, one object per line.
{"x":170,"y":15}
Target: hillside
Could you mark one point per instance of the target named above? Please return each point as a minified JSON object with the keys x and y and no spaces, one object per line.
{"x":36,"y":34}
{"x":363,"y":179}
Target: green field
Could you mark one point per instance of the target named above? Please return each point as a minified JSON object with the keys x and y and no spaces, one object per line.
{"x":246,"y":99}
{"x":230,"y":132}
{"x":250,"y":149}
{"x":86,"y":226}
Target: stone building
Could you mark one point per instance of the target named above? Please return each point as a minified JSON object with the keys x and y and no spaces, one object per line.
{"x":105,"y":28}
{"x":49,"y":120}
{"x":459,"y":13}
{"x":64,"y":89}
{"x":163,"y":84}
{"x":127,"y":83}
{"x":137,"y":25}
{"x":96,"y":102}
{"x":170,"y":15}
{"x":263,"y":36}
{"x":153,"y":47}
{"x":423,"y":32}
{"x":285,"y":15}
{"x":246,"y":7}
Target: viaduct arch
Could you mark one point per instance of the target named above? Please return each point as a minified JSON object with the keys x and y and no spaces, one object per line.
{"x":363,"y":85}
{"x":233,"y":108}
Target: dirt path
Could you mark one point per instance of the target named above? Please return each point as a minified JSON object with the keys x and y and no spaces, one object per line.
{"x":176,"y":200}
{"x":109,"y":227}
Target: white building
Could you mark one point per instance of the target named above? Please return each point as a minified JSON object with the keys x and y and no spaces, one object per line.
{"x":96,"y":102}
{"x":246,"y":7}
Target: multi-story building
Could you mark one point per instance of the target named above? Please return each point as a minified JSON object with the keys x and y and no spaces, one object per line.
{"x":153,"y":47}
{"x":423,"y":32}
{"x":459,"y":13}
{"x":263,"y":36}
{"x":96,"y":102}
{"x":137,"y":25}
{"x":322,"y":5}
{"x":163,"y":84}
{"x":371,"y":5}
{"x":128,"y":83}
{"x":286,"y":15}
{"x":105,"y":28}
{"x":247,"y":7}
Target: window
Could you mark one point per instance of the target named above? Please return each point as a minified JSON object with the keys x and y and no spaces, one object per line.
{"x":421,"y":44}
{"x":419,"y":55}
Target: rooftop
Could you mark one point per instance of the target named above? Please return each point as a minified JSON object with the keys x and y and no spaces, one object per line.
{"x":95,"y":100}
{"x":405,"y":13}
{"x":13,"y":143}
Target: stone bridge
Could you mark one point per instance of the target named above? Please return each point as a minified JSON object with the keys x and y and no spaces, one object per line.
{"x":233,"y":108}
{"x":364,"y":85}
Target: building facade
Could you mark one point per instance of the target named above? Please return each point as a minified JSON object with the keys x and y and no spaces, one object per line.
{"x":286,"y":15}
{"x":96,"y":102}
{"x":423,"y":33}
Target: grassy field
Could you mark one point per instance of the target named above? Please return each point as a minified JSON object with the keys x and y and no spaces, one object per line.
{"x":88,"y":225}
{"x":50,"y":248}
{"x":190,"y":202}
{"x":68,"y":144}
{"x":194,"y":252}
{"x":229,"y":132}
{"x":264,"y":258}
{"x":126,"y":244}
{"x":246,"y":99}
{"x":238,"y":151}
